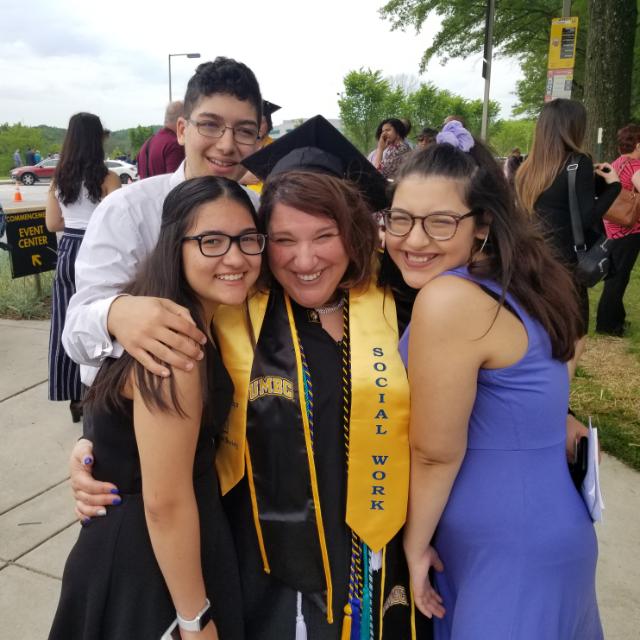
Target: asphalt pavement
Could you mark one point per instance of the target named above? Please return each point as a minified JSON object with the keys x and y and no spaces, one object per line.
{"x":38,"y":528}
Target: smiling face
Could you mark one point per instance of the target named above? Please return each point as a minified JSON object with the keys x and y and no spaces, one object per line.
{"x":217,"y":156}
{"x":419,"y":257}
{"x":306,"y":255}
{"x":224,"y":279}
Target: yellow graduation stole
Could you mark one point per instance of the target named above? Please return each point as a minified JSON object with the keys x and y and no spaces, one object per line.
{"x":378,"y":456}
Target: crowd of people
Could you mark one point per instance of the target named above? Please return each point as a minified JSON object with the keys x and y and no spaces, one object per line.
{"x":300,"y":425}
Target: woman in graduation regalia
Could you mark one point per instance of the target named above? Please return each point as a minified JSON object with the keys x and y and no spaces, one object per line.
{"x":314,"y":460}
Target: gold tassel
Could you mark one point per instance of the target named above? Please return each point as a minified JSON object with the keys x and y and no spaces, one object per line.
{"x":346,"y":623}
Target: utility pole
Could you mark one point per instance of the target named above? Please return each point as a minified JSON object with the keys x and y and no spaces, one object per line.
{"x":566,"y":8}
{"x":486,"y":67}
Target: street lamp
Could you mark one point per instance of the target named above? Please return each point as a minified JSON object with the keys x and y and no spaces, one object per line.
{"x":188,"y":55}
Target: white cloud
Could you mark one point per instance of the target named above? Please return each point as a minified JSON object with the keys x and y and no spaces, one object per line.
{"x":75,"y":55}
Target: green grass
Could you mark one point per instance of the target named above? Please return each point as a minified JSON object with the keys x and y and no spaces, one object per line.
{"x":607,"y":383}
{"x":19,"y":299}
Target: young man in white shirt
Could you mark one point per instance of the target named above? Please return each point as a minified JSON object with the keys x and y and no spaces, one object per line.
{"x":219,"y":128}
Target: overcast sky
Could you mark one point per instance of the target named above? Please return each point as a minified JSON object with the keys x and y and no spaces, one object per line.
{"x":58,"y":57}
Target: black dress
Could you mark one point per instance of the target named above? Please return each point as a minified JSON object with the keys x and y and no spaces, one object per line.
{"x":594,"y":195}
{"x":112,"y":587}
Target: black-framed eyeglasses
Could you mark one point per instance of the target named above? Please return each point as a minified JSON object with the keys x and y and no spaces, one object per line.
{"x":242,"y":134}
{"x":214,"y":245}
{"x":439,"y":225}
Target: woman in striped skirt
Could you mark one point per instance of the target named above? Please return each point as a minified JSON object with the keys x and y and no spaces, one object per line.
{"x":80,"y":182}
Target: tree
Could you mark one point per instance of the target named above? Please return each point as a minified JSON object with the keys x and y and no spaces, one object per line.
{"x":366,"y":100}
{"x":369,"y":98}
{"x":609,"y":75}
{"x":137,"y":136}
{"x":507,"y":134}
{"x":17,"y":136}
{"x":521,"y":31}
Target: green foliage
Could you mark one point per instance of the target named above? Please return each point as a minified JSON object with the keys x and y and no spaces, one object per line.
{"x":369,"y":98}
{"x":521,"y":30}
{"x":17,"y":136}
{"x":137,"y":136}
{"x":20,"y":299}
{"x":507,"y":134}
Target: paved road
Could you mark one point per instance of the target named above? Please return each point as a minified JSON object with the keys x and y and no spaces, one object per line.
{"x":37,"y":526}
{"x":35,"y":195}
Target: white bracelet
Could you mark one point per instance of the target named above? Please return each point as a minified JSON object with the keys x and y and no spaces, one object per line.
{"x":196,"y":623}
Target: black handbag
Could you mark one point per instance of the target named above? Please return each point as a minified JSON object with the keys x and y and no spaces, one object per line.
{"x":593,"y":263}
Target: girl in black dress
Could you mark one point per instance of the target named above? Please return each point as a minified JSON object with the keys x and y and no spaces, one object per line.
{"x":166,"y":552}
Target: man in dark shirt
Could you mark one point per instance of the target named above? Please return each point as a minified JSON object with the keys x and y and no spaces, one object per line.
{"x":161,"y":153}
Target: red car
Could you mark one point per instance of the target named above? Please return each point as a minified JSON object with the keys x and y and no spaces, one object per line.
{"x":44,"y":170}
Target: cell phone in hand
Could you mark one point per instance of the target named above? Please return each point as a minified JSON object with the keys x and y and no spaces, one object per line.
{"x":578,"y":468}
{"x":605,"y":169}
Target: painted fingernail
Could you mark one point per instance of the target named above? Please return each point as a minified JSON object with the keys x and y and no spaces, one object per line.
{"x":101,"y":512}
{"x":116,"y":501}
{"x":88,"y":460}
{"x":114,"y":490}
{"x":165,"y":373}
{"x":203,"y":340}
{"x":86,"y":522}
{"x":189,"y":366}
{"x":200,"y":355}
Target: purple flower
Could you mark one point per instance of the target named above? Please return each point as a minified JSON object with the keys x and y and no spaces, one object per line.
{"x":455,"y":134}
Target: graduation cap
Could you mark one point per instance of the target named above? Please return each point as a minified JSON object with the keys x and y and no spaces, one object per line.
{"x":318,"y":146}
{"x":269,"y":108}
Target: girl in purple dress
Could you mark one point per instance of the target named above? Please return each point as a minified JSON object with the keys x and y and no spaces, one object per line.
{"x":493,"y":326}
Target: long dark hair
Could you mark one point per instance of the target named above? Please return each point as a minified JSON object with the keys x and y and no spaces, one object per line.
{"x":81,"y":159}
{"x":515,"y":255}
{"x":162,"y":275}
{"x":559,"y":132}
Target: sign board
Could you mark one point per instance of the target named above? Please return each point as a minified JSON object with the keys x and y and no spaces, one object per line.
{"x":562,"y":58}
{"x":562,"y":43}
{"x":33,"y":249}
{"x":559,"y":84}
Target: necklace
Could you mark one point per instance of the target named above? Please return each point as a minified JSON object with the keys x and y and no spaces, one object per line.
{"x":330,"y":308}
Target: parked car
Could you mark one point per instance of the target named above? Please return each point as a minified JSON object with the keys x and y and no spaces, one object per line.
{"x":127,"y":172}
{"x":44,"y":170}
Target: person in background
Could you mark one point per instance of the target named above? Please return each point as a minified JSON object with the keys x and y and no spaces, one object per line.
{"x":28,"y":157}
{"x":268,"y":108}
{"x":407,"y":130}
{"x":426,"y":137}
{"x":611,"y":312}
{"x":17,"y":159}
{"x":162,"y":153}
{"x":80,"y":182}
{"x":514,"y":549}
{"x":37,"y":156}
{"x":542,"y":188}
{"x":511,"y":165}
{"x":391,"y":149}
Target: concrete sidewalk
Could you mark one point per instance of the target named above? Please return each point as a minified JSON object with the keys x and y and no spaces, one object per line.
{"x":37,"y":525}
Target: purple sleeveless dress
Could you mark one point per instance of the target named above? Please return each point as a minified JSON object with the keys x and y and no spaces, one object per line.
{"x":518,"y":546}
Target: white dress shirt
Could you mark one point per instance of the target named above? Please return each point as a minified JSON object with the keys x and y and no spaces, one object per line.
{"x":123,"y":230}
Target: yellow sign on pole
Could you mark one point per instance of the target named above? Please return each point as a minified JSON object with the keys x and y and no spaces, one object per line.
{"x":562,"y":58}
{"x":562,"y":43}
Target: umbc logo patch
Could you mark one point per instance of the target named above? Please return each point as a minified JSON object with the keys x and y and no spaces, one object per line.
{"x":270,"y":386}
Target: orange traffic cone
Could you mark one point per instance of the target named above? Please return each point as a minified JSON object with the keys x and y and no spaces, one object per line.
{"x":17,"y":196}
